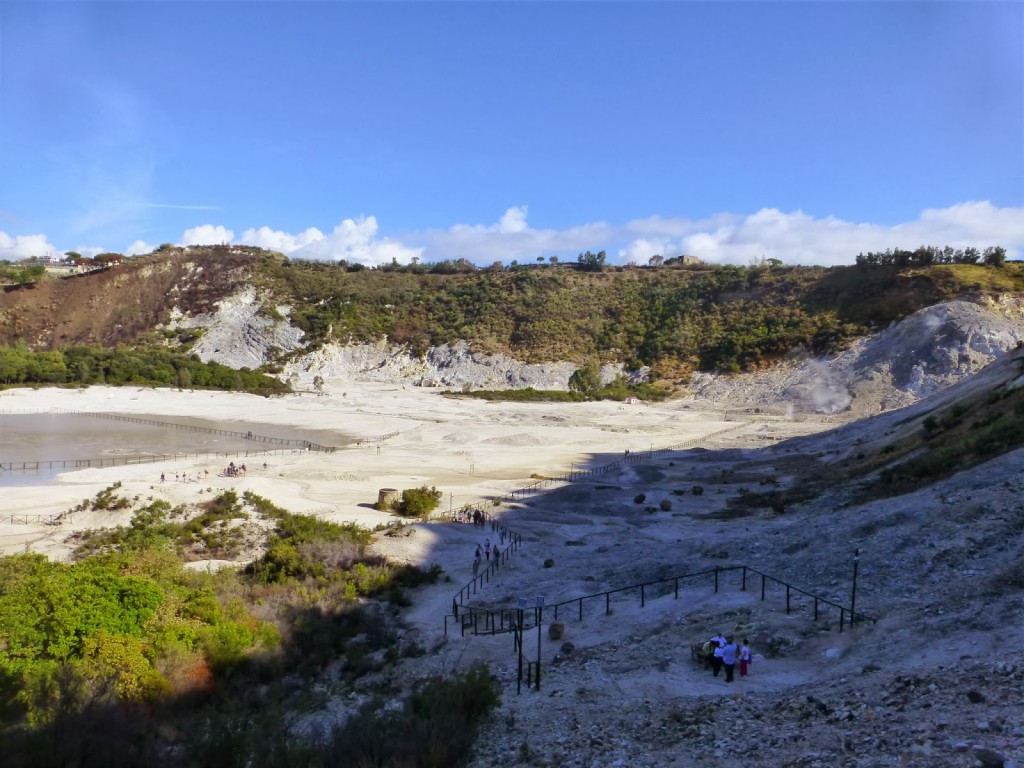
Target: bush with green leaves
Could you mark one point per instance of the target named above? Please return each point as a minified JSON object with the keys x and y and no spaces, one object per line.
{"x":419,"y":502}
{"x":143,"y":365}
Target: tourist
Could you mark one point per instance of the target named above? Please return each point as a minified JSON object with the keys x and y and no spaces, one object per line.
{"x":729,"y":652}
{"x":744,"y":657}
{"x":717,"y":643}
{"x":162,"y":478}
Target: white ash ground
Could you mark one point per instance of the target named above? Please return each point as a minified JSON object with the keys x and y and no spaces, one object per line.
{"x":938,"y":681}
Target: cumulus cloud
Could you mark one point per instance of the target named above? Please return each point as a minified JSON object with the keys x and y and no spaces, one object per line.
{"x":640,"y":251}
{"x":514,"y":220}
{"x":17,"y":247}
{"x":275,"y":240}
{"x":509,"y":239}
{"x":354,"y":240}
{"x":207,"y":234}
{"x":794,"y":237}
{"x":139,"y":246}
{"x":798,"y":238}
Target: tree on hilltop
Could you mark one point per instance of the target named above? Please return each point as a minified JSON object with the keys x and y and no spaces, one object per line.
{"x":591,"y":262}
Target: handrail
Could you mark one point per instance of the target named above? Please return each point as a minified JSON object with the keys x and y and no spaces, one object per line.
{"x":844,"y":611}
{"x":498,"y":556}
{"x":123,"y":461}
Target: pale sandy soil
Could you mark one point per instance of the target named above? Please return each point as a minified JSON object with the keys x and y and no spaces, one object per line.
{"x":405,"y":437}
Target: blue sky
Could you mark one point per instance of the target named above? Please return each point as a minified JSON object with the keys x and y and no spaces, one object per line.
{"x":804,"y":131}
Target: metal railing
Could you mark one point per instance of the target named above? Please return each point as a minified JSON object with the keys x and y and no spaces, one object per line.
{"x":492,"y":622}
{"x":123,"y":461}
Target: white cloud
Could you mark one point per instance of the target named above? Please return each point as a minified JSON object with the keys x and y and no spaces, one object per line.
{"x":275,"y":240}
{"x":139,"y":246}
{"x":207,"y":234}
{"x":354,"y":240}
{"x":514,"y":220}
{"x":793,"y":237}
{"x":17,"y":247}
{"x":640,"y":251}
{"x":510,"y":239}
{"x":798,"y":238}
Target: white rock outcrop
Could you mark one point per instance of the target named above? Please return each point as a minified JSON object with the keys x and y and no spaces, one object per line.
{"x":921,"y":355}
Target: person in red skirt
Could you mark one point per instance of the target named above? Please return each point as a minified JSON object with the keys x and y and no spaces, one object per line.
{"x":744,"y":657}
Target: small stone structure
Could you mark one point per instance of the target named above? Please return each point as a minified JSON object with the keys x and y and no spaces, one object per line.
{"x":388,"y":498}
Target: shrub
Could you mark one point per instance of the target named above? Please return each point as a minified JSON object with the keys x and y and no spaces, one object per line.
{"x":639,"y":498}
{"x":435,"y":727}
{"x":419,"y":502}
{"x":666,"y":505}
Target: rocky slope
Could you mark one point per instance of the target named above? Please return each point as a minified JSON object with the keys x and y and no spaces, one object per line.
{"x":934,"y":678}
{"x":924,"y":353}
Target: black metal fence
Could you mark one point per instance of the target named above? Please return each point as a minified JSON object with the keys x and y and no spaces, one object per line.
{"x":123,"y":461}
{"x":492,"y":622}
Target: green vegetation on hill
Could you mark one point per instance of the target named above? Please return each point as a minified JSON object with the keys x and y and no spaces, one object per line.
{"x":953,"y":438}
{"x":149,"y":366}
{"x":125,"y":657}
{"x":977,"y":427}
{"x":677,"y":319}
{"x":14,"y":274}
{"x":672,"y":316}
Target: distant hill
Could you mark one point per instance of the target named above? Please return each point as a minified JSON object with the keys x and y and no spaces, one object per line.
{"x":675,"y":319}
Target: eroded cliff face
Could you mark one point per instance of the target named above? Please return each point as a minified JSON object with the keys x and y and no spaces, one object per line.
{"x":120,"y":304}
{"x":914,"y":358}
{"x":921,"y":355}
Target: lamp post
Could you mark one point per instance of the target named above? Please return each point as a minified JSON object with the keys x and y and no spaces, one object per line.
{"x":853,"y":592}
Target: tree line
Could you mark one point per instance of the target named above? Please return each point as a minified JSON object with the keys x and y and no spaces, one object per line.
{"x":150,"y":366}
{"x":927,"y":255}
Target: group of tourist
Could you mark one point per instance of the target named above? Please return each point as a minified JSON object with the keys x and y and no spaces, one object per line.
{"x":486,"y":551}
{"x":183,"y":477}
{"x":231,"y":470}
{"x":721,"y":652}
{"x":469,"y":515}
{"x":483,"y":553}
